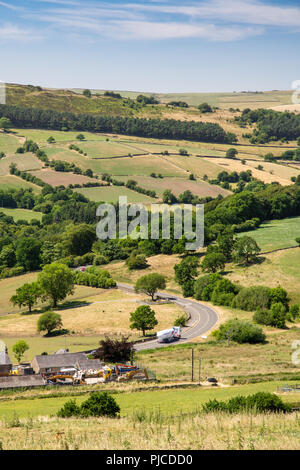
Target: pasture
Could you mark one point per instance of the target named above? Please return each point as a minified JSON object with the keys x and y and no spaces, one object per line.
{"x":13,"y":182}
{"x":160,"y":402}
{"x":24,"y":162}
{"x":8,"y":143}
{"x":22,"y":214}
{"x":98,"y":317}
{"x":57,"y":178}
{"x":112,"y":194}
{"x":276,"y":234}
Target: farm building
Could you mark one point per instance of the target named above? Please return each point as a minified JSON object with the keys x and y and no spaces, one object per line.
{"x":17,"y":381}
{"x":54,"y":362}
{"x":5,"y":363}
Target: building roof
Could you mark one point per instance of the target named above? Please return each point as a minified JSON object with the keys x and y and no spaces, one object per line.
{"x":21,"y":381}
{"x":4,"y":359}
{"x":67,"y":360}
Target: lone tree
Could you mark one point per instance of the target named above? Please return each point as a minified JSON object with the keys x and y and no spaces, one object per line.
{"x":150,"y":284}
{"x":143,"y":319}
{"x":87,"y":93}
{"x":5,"y":124}
{"x":80,"y":137}
{"x":246,"y":250}
{"x":19,"y":349}
{"x":213,"y":262}
{"x":231,"y":153}
{"x":49,"y":322}
{"x":185,"y":274}
{"x":115,"y":350}
{"x":27,"y":295}
{"x":56,"y":281}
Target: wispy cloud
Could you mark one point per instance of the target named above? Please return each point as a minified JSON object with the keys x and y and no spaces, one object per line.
{"x":10,"y":32}
{"x":213,"y":20}
{"x":8,"y":5}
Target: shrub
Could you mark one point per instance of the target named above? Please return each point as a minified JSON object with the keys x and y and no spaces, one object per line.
{"x":100,"y":404}
{"x":205,"y":285}
{"x":253,"y":298}
{"x":275,"y":317}
{"x":240,"y":332}
{"x":261,"y":402}
{"x":99,"y":260}
{"x":294,"y":311}
{"x":224,"y":292}
{"x":69,"y":409}
{"x":115,"y":350}
{"x":180,"y":321}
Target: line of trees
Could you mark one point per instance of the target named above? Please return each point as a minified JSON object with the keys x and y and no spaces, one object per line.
{"x":156,"y":128}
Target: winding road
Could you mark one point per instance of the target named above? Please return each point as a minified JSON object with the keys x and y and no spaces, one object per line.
{"x":202,"y":319}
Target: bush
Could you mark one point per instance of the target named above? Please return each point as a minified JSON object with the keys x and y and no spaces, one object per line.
{"x":69,"y":409}
{"x":253,"y":298}
{"x":115,"y":350}
{"x":100,"y":404}
{"x":99,"y":260}
{"x":224,"y":292}
{"x":275,"y":317}
{"x":262,"y":402}
{"x":240,"y":332}
{"x":180,"y":321}
{"x":205,"y":285}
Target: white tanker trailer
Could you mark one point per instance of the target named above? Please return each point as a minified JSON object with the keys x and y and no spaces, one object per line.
{"x":166,"y":336}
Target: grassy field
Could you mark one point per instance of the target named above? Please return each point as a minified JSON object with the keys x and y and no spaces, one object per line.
{"x":112,"y":194}
{"x":8,"y":143}
{"x":57,"y":178}
{"x":276,"y":234}
{"x":97,"y":317}
{"x":13,"y":182}
{"x":178,"y":186}
{"x":24,"y":162}
{"x":22,"y":214}
{"x":165,"y":402}
{"x":156,"y":432}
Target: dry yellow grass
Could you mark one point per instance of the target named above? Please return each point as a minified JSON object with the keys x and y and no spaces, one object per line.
{"x":104,"y":314}
{"x":271,"y":172}
{"x":196,"y":432}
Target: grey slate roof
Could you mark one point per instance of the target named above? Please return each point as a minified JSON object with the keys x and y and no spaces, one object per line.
{"x":21,"y":381}
{"x":4,"y":359}
{"x":67,"y":360}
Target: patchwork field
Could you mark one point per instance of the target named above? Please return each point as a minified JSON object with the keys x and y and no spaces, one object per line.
{"x":277,"y":234}
{"x":57,"y":178}
{"x":13,"y":182}
{"x":112,"y":194}
{"x":22,"y":214}
{"x":24,"y":162}
{"x":8,"y":143}
{"x":178,"y":186}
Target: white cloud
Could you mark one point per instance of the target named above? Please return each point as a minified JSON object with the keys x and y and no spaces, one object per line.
{"x":10,"y":32}
{"x":215,"y":20}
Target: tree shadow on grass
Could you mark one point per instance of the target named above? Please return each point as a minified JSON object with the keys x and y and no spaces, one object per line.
{"x":55,"y":333}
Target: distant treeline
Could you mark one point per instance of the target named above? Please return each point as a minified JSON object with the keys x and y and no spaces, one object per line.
{"x":271,"y":125}
{"x":156,"y":128}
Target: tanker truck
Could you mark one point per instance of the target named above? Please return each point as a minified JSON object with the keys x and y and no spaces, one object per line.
{"x":167,"y":336}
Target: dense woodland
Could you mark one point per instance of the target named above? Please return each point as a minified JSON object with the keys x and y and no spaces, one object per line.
{"x":156,"y":128}
{"x":271,"y":125}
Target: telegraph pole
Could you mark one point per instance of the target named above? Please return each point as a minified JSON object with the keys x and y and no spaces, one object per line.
{"x":192,"y":364}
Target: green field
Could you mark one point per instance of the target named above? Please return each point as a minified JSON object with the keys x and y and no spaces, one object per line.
{"x":276,"y":234}
{"x":13,"y":182}
{"x":112,"y":194}
{"x":22,"y":214}
{"x":8,"y":143}
{"x":170,"y":402}
{"x":24,"y":162}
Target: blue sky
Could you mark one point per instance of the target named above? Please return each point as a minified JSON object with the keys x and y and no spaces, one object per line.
{"x":155,"y":45}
